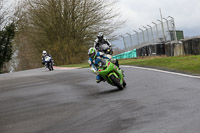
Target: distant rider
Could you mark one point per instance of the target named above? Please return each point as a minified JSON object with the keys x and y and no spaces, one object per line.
{"x":44,"y":55}
{"x":100,"y":41}
{"x":94,"y":58}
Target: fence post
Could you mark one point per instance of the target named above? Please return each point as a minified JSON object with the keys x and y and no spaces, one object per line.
{"x":167,"y":27}
{"x":147,"y":32}
{"x":143,"y":34}
{"x":162,"y":25}
{"x":137,"y":37}
{"x":124,"y":42}
{"x":151,"y":32}
{"x":174,"y":28}
{"x":130,"y":39}
{"x":156,"y":30}
{"x":162,"y":30}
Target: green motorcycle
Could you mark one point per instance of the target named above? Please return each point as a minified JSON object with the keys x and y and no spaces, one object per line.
{"x":111,"y":73}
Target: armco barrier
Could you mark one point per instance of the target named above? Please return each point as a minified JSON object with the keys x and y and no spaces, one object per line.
{"x":126,"y":55}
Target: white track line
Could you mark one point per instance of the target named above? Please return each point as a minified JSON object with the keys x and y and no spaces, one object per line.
{"x":65,"y":68}
{"x":156,"y":70}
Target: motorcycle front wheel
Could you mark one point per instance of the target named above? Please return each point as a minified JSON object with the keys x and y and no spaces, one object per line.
{"x":116,"y":82}
{"x":50,"y":66}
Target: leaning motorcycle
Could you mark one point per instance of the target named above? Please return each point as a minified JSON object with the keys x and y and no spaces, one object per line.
{"x":111,"y":73}
{"x":49,"y":63}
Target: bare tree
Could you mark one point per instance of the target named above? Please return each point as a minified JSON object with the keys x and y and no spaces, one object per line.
{"x":3,"y":13}
{"x":66,"y":28}
{"x":7,"y":32}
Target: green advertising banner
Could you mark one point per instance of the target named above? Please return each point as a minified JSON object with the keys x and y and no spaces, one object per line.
{"x":126,"y":55}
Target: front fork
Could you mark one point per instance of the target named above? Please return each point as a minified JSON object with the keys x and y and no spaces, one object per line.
{"x":120,"y":74}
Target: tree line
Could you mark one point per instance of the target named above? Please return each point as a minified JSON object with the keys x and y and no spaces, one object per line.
{"x":64,"y":28}
{"x":7,"y":32}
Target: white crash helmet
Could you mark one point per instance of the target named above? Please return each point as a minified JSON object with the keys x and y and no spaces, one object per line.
{"x":100,"y":36}
{"x":44,"y":53}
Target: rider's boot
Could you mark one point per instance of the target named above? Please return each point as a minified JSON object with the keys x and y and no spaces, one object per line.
{"x":99,"y":79}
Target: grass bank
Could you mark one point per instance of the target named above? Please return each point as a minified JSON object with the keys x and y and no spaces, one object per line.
{"x":186,"y":64}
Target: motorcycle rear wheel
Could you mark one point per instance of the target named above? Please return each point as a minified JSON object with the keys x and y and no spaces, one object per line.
{"x":124,"y":83}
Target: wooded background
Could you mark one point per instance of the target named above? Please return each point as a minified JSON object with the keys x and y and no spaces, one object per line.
{"x":7,"y":32}
{"x":64,"y":28}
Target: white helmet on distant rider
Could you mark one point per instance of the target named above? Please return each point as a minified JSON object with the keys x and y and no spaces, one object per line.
{"x":100,"y":36}
{"x":44,"y":53}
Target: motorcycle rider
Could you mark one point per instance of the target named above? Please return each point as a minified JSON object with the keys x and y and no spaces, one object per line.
{"x":94,"y":58}
{"x":102,"y":40}
{"x":44,"y":55}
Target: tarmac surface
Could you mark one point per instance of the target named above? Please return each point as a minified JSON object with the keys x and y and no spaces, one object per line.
{"x":70,"y":101}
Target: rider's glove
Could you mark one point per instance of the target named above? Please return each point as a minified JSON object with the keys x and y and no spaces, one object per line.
{"x":93,"y":70}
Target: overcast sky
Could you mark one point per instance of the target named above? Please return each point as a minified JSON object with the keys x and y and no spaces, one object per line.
{"x":139,"y":13}
{"x":142,"y":12}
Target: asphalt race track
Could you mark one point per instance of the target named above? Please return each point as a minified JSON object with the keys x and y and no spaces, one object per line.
{"x":70,"y":101}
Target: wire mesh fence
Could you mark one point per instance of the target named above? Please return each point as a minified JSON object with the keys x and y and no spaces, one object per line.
{"x":164,"y":31}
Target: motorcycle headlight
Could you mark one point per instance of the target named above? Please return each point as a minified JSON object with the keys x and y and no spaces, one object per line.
{"x":100,"y":64}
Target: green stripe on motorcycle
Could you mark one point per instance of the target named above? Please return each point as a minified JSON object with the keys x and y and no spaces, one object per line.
{"x":113,"y":74}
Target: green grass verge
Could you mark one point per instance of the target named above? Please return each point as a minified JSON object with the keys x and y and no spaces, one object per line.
{"x":187,"y":64}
